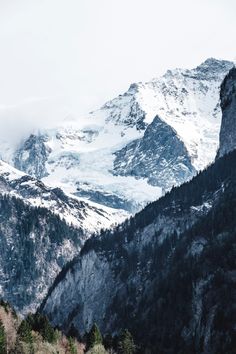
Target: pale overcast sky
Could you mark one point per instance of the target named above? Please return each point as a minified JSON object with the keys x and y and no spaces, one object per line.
{"x":84,"y":52}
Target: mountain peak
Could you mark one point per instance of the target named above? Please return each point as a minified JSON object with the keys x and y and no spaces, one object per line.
{"x":212,"y":67}
{"x":214,"y":62}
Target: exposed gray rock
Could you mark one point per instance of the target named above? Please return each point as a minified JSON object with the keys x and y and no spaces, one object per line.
{"x":32,"y":156}
{"x":160,"y":156}
{"x":187,"y":100}
{"x":228,"y":105}
{"x":41,"y":229}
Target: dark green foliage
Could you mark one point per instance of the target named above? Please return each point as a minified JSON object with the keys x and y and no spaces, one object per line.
{"x":24,"y":332}
{"x":176,"y":201}
{"x":3,"y":344}
{"x":161,"y":319}
{"x":72,"y":347}
{"x":162,"y":282}
{"x":5,"y":305}
{"x":126,"y":343}
{"x":40,"y":323}
{"x":94,"y":337}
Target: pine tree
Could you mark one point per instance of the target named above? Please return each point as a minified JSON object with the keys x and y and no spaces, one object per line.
{"x":126,"y":343}
{"x":3,"y":344}
{"x":24,"y":332}
{"x":72,"y":347}
{"x":25,"y":335}
{"x":94,"y":337}
{"x":40,"y":323}
{"x":48,"y":332}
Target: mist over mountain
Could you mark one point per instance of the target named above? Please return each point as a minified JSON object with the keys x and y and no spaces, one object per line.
{"x":117,"y":177}
{"x":156,"y":135}
{"x":110,"y":219}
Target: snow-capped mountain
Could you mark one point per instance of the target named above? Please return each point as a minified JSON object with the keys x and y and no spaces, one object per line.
{"x":86,"y":216}
{"x":170,"y":268}
{"x":119,"y":155}
{"x":41,"y":230}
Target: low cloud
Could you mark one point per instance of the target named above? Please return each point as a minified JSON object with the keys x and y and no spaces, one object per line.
{"x":18,"y":121}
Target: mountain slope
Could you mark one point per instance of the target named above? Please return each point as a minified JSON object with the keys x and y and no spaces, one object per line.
{"x":41,"y":229}
{"x":171,"y":268}
{"x":98,"y":157}
{"x":35,"y":244}
{"x":87,"y":216}
{"x":160,"y":156}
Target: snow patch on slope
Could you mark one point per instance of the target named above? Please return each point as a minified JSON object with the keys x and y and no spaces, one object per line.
{"x":91,"y":217}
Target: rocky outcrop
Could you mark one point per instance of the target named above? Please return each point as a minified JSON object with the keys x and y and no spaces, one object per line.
{"x":160,"y":156}
{"x":32,"y":156}
{"x":228,"y":105}
{"x":41,"y":229}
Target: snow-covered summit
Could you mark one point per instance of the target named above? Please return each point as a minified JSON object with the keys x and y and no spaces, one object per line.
{"x":82,"y":157}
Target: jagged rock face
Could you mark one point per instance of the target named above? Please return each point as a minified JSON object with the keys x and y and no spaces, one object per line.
{"x":35,"y":245}
{"x":41,"y":229}
{"x":228,"y":105}
{"x":81,"y":157}
{"x":125,"y":110}
{"x":188,"y":100}
{"x":89,"y":217}
{"x":210,"y":69}
{"x":160,"y":156}
{"x":168,"y":268}
{"x":32,"y":156}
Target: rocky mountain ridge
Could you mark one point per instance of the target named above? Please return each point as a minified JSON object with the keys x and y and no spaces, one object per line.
{"x":171,"y":267}
{"x":100,"y":157}
{"x":41,"y":229}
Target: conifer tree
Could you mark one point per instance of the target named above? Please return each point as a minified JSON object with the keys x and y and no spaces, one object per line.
{"x":126,"y":343}
{"x":94,"y":337}
{"x":41,"y":324}
{"x":72,"y":347}
{"x":24,"y":332}
{"x":47,"y":331}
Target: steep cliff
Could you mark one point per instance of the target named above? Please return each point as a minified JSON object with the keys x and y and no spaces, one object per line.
{"x":170,"y":268}
{"x":160,"y":156}
{"x":41,"y":229}
{"x":228,"y":105}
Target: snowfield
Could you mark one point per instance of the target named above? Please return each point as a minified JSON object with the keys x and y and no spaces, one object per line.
{"x":78,"y":155}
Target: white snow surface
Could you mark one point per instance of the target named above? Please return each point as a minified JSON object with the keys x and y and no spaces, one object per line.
{"x":82,"y":150}
{"x":91,"y":217}
{"x":90,"y":163}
